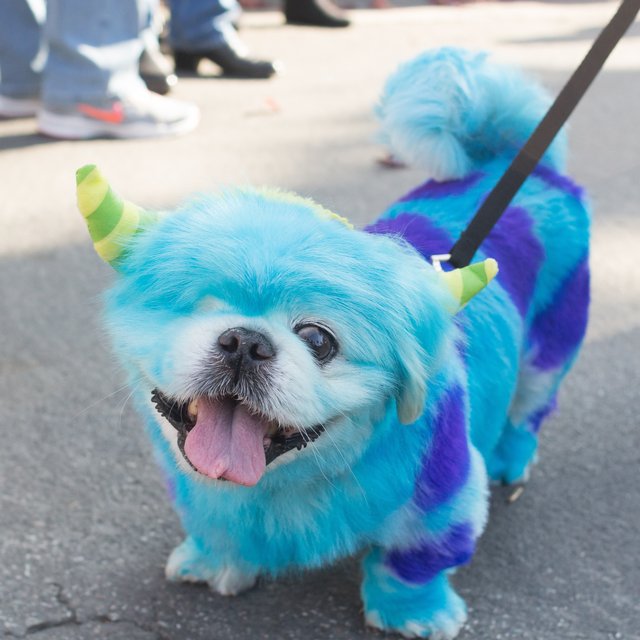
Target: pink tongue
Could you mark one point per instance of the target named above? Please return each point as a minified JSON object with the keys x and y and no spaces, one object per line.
{"x":227,"y":442}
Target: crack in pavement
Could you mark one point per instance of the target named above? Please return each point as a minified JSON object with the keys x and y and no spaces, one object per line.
{"x":71,"y":619}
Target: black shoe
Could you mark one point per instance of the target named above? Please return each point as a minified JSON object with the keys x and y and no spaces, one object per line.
{"x":229,"y":60}
{"x":156,"y":71}
{"x":315,"y":13}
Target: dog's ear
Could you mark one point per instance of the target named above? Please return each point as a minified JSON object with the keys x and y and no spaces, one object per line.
{"x":418,"y":338}
{"x":420,"y":346}
{"x":411,"y":396}
{"x":112,"y":221}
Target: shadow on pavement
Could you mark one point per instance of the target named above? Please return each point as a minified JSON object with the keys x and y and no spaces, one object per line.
{"x":584,"y":34}
{"x":23,"y":140}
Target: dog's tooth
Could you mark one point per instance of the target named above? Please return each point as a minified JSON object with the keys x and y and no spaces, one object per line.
{"x":193,"y":409}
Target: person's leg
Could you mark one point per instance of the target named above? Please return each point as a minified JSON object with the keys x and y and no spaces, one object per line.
{"x":91,"y":82}
{"x":155,"y":69}
{"x":204,"y":29}
{"x":199,"y":25}
{"x":94,"y":50}
{"x":20,"y":38}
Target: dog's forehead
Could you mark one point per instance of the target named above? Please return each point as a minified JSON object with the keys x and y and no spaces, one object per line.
{"x":261,"y":259}
{"x":255,"y":250}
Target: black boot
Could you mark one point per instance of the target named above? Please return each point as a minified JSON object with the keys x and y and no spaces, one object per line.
{"x":232,"y":62}
{"x":156,"y":71}
{"x":316,"y":13}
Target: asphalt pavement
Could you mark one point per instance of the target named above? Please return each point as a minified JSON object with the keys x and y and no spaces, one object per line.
{"x":85,"y":527}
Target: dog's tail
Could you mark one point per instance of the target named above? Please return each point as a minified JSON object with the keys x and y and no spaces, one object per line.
{"x":450,"y":111}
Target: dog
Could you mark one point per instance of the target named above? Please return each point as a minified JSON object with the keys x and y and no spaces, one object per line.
{"x":314,"y":391}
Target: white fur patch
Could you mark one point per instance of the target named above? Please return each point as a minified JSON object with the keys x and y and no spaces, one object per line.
{"x":186,"y":564}
{"x":373,"y":619}
{"x":230,"y":581}
{"x":532,"y":394}
{"x":302,"y":393}
{"x":444,"y":626}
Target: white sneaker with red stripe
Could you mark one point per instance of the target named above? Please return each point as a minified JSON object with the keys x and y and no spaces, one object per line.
{"x":142,"y":115}
{"x":18,"y":107}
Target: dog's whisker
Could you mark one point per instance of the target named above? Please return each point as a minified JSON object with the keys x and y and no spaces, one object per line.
{"x":103,"y":398}
{"x":319,"y":462}
{"x":134,"y":388}
{"x":349,"y":467}
{"x":319,"y":459}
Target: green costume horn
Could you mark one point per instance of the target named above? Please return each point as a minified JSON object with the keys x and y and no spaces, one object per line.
{"x":466,"y":282}
{"x":112,"y":221}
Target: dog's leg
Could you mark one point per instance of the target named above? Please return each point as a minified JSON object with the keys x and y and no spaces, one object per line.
{"x":189,"y":563}
{"x":406,"y":585}
{"x":417,"y":607}
{"x":555,"y":337}
{"x":553,"y":341}
{"x":515,"y":453}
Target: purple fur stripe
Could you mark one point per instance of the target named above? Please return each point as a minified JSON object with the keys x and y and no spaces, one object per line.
{"x":557,"y":180}
{"x":417,"y":230}
{"x":445,"y":465}
{"x":423,"y":563}
{"x":513,"y":243}
{"x":435,"y":189}
{"x":538,"y":417}
{"x":558,"y":330}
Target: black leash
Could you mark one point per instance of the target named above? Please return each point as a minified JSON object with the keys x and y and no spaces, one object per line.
{"x":525,"y":162}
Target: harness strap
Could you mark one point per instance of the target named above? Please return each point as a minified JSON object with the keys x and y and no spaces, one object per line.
{"x":525,"y":162}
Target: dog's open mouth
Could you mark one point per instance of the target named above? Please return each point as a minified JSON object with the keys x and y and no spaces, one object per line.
{"x":222,"y":439}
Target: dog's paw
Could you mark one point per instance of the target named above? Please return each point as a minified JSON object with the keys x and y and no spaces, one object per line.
{"x":512,"y":459}
{"x":431,"y":610}
{"x":442,"y":625}
{"x":188,"y":564}
{"x":503,"y":472}
{"x":230,"y":581}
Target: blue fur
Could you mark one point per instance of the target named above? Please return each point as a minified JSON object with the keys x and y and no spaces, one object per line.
{"x":269,"y":255}
{"x":161,"y":285}
{"x":449,"y":111}
{"x":420,"y":609}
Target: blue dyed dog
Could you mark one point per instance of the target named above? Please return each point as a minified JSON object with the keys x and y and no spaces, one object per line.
{"x":275,"y":352}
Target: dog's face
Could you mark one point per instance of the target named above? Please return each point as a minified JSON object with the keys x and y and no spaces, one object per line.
{"x":267,"y":333}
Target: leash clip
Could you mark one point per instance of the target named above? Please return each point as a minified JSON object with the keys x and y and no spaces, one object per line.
{"x":438,"y":258}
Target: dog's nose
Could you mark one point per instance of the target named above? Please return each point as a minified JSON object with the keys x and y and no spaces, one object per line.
{"x":243,"y":347}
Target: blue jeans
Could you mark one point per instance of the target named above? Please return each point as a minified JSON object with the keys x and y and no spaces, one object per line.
{"x":91,"y":47}
{"x":20,"y":41}
{"x":199,"y":25}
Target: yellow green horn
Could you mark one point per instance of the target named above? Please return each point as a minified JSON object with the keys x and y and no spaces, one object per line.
{"x":112,"y":221}
{"x":466,"y":282}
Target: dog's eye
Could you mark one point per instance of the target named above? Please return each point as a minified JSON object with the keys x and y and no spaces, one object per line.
{"x":319,"y":340}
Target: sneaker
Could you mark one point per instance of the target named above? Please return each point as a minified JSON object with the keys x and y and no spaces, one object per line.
{"x":144,"y":115}
{"x":18,"y":107}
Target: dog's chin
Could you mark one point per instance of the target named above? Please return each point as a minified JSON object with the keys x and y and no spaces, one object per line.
{"x":222,"y":438}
